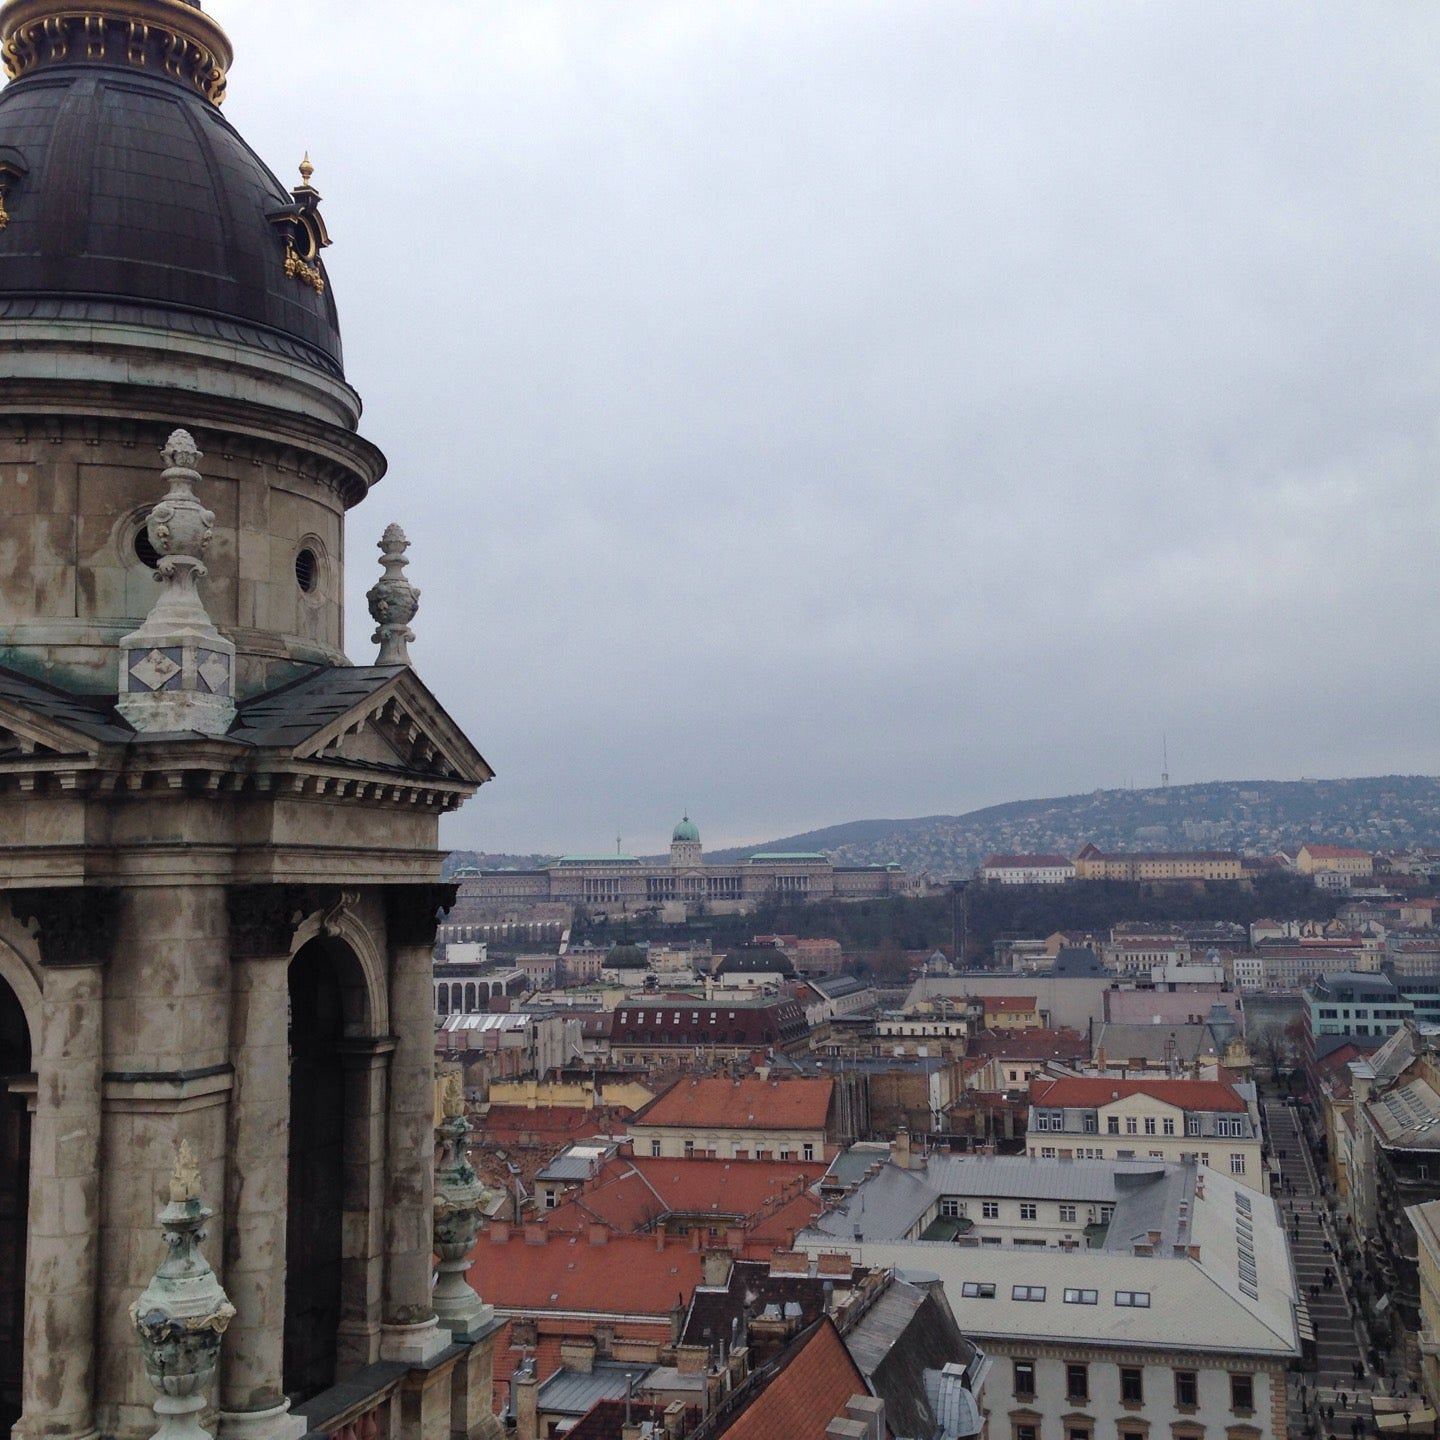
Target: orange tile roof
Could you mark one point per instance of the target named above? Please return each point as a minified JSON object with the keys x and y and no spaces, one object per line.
{"x":1088,"y":1092}
{"x":1009,"y":1003}
{"x":714,"y":1103}
{"x":622,"y":1275}
{"x":766,"y":1198}
{"x":813,"y":1383}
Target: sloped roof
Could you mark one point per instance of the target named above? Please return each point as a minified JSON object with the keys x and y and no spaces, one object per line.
{"x":631,"y":1276}
{"x":1031,"y":1044}
{"x":1085,"y":1092}
{"x":715,"y":1103}
{"x":808,"y":1387}
{"x":91,"y":716}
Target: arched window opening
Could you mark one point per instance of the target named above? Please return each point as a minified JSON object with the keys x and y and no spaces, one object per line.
{"x":327,"y":1004}
{"x":15,"y":1065}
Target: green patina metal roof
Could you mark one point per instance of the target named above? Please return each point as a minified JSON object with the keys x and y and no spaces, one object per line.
{"x":686,"y":830}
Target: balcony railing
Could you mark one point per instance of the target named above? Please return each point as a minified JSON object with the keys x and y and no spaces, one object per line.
{"x":363,"y":1407}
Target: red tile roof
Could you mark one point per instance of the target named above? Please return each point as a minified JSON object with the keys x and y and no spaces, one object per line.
{"x":622,"y":1275}
{"x":768,"y":1199}
{"x":811,"y":1386}
{"x":715,"y":1103}
{"x":1089,"y":1092}
{"x":1009,"y":1004}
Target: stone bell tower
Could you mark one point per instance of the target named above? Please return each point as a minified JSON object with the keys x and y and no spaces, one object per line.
{"x":220,"y":878}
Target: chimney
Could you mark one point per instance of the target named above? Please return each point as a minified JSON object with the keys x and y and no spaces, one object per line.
{"x":599,"y":1234}
{"x":869,"y":1411}
{"x":499,"y":1232}
{"x":900,"y":1150}
{"x":578,"y":1354}
{"x":527,"y":1407}
{"x":536,"y":1234}
{"x":675,"y":1420}
{"x":692,"y":1359}
{"x":717,"y":1267}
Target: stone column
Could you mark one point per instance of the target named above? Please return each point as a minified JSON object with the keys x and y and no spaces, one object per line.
{"x":252,"y":1400}
{"x":58,"y":1388}
{"x":410,"y":1331}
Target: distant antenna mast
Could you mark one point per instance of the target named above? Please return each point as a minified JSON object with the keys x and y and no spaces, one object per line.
{"x":617,"y":844}
{"x":1164,"y":761}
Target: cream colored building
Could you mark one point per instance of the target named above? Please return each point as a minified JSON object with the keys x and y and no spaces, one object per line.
{"x":1099,"y":1118}
{"x":746,"y":1119}
{"x":1173,"y":1318}
{"x":1426,"y":1221}
{"x":1334,"y":860}
{"x":1180,"y":865}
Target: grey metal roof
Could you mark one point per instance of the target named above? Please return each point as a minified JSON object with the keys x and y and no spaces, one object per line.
{"x":289,"y":715}
{"x":573,"y":1392}
{"x":91,"y":715}
{"x":1185,"y":1043}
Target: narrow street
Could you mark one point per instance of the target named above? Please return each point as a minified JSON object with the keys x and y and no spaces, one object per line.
{"x":1337,"y":1343}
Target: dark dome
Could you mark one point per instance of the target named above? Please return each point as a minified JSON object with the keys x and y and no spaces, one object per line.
{"x":131,"y":198}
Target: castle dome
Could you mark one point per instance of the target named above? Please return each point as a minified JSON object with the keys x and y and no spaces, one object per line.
{"x":685,"y":831}
{"x":128,"y":198}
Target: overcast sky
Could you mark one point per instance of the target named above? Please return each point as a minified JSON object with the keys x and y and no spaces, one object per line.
{"x":806,"y":412}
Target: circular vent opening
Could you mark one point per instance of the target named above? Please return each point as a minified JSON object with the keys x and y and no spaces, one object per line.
{"x":307,"y":571}
{"x":145,"y":552}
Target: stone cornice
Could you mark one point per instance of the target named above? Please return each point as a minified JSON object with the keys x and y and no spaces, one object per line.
{"x":197,"y":767}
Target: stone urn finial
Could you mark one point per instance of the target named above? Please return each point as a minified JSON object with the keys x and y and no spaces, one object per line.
{"x":177,"y":672}
{"x":394,"y":601}
{"x":183,"y":1313}
{"x":459,"y":1202}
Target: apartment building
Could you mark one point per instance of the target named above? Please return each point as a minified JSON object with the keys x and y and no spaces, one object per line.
{"x":1084,"y":1117}
{"x":745,"y":1119}
{"x":1177,"y":1319}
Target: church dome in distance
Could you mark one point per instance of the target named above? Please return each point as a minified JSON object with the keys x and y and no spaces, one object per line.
{"x":686,"y":831}
{"x":127,"y":196}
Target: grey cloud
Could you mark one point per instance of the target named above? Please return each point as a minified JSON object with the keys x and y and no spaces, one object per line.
{"x":811,"y":411}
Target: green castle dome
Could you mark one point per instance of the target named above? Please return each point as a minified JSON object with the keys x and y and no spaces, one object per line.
{"x":686,"y":830}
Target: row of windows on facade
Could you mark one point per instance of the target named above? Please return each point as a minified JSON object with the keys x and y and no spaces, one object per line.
{"x":1237,"y":1160}
{"x":1125,"y":1299}
{"x":1054,"y":1120}
{"x":1327,"y":1013}
{"x":952,"y":1208}
{"x":1132,"y":1386}
{"x":694,"y":1151}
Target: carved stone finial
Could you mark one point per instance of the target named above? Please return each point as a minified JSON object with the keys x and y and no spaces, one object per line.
{"x":183,"y":1313}
{"x":177,"y":672}
{"x":460,"y":1200}
{"x":394,"y":601}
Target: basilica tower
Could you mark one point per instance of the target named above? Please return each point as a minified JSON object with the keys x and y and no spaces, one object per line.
{"x":154,"y":273}
{"x":220,"y":878}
